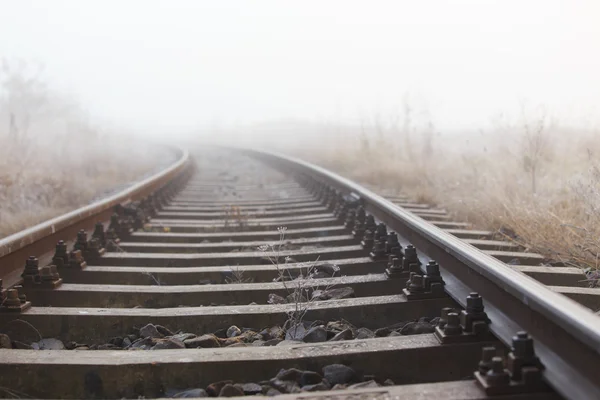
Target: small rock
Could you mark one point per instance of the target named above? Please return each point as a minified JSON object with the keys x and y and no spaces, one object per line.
{"x":251,"y":388}
{"x":315,"y":335}
{"x":133,"y":338}
{"x":233,"y":331}
{"x":338,"y":373}
{"x":328,"y":268}
{"x":276,"y":332}
{"x":106,"y":346}
{"x":253,"y":303}
{"x":321,"y":386}
{"x":190,"y":394}
{"x":221,"y":333}
{"x":382,"y":332}
{"x":364,"y":333}
{"x":336,"y":326}
{"x":343,"y":335}
{"x":50,"y":344}
{"x":144,"y":344}
{"x":398,"y":326}
{"x":70,"y":345}
{"x":238,"y":345}
{"x":164,"y":331}
{"x":296,"y":297}
{"x":117,"y":341}
{"x":364,"y":385}
{"x":309,"y":378}
{"x":150,"y":331}
{"x":258,"y":343}
{"x":215,"y":388}
{"x":291,"y":374}
{"x":417,"y":328}
{"x":169,"y":343}
{"x":388,"y":382}
{"x":271,"y":392}
{"x":276,"y":299}
{"x":295,"y":332}
{"x":126,"y":342}
{"x":183,"y":336}
{"x":205,"y":282}
{"x":273,"y":342}
{"x":5,"y":342}
{"x":204,"y":341}
{"x":284,"y":386}
{"x":394,"y":333}
{"x":319,"y":275}
{"x":250,"y":336}
{"x":230,"y":390}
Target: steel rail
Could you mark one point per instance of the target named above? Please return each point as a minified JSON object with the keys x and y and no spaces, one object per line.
{"x":567,"y":334}
{"x":41,"y":238}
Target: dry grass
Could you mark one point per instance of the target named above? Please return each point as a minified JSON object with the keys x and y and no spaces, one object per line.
{"x":535,"y":183}
{"x":52,"y":159}
{"x":38,"y":182}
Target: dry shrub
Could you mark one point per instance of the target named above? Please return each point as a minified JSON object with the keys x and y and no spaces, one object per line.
{"x":52,"y":159}
{"x":534,"y":182}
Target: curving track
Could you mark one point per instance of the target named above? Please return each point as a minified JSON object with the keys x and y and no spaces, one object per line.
{"x":238,"y":264}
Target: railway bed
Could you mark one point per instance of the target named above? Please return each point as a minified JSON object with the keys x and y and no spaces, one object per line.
{"x":240,"y":272}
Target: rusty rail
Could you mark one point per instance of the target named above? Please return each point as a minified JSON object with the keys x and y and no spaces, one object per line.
{"x":41,"y":239}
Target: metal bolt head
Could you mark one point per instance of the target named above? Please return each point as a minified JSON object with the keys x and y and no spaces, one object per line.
{"x":432,"y":268}
{"x":486,"y":359}
{"x":32,"y":261}
{"x":81,"y":236}
{"x":452,"y":326}
{"x":410,"y":253}
{"x":415,"y":283}
{"x":474,"y":303}
{"x":522,"y":345}
{"x":497,"y":375}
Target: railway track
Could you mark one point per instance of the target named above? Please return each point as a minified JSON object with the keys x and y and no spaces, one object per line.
{"x":257,"y":274}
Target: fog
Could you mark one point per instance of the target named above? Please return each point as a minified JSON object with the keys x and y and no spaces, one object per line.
{"x":175,"y":66}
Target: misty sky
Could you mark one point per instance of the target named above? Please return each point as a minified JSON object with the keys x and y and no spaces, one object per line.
{"x":178,"y":64}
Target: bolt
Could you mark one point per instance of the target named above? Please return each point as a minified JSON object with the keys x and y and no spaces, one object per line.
{"x":522,"y":346}
{"x":379,"y":249}
{"x":12,"y":298}
{"x":393,"y":238}
{"x":410,"y":254}
{"x":114,"y":220}
{"x":370,"y":223}
{"x":497,"y":375}
{"x":415,"y":283}
{"x":432,"y":268}
{"x":98,"y":231}
{"x":361,"y":214}
{"x":452,"y":324}
{"x":486,"y":359}
{"x":368,"y":240}
{"x":444,"y":316}
{"x":61,"y":251}
{"x":380,"y":231}
{"x":474,"y":303}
